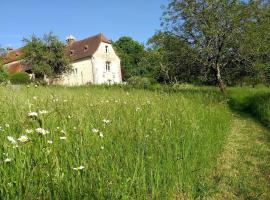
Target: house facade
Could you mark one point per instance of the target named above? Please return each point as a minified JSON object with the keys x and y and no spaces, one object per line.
{"x":94,"y":61}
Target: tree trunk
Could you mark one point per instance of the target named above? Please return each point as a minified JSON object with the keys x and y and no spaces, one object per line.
{"x":221,"y":84}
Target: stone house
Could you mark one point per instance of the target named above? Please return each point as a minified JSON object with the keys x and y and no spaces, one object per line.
{"x":94,"y":61}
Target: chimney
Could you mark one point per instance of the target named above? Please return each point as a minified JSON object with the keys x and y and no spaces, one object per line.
{"x":9,"y":49}
{"x":70,"y":39}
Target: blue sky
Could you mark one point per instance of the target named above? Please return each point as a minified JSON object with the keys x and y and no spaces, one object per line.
{"x":81,"y":18}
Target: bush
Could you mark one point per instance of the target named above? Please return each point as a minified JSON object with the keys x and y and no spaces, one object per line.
{"x":3,"y":75}
{"x":140,"y":82}
{"x":20,"y":78}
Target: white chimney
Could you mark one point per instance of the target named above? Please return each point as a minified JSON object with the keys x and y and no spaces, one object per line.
{"x":70,"y":39}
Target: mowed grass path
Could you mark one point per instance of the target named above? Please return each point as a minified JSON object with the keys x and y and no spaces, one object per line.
{"x":243,"y":170}
{"x":109,"y":143}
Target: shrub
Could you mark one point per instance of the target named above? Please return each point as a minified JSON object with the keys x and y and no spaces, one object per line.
{"x":3,"y":75}
{"x":140,"y":82}
{"x":20,"y":78}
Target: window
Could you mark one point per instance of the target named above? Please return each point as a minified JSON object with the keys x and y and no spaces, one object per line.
{"x":106,"y":49}
{"x":85,"y":48}
{"x":108,"y":66}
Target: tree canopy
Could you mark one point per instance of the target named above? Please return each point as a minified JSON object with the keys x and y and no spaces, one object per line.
{"x":131,"y":53}
{"x":46,"y":56}
{"x":224,"y":32}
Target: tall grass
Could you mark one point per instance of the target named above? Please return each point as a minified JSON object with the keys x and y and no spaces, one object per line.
{"x":130,"y":144}
{"x":255,"y":101}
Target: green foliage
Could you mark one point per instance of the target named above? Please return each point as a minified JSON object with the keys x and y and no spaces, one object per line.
{"x":155,"y":144}
{"x":20,"y":78}
{"x":226,"y":34}
{"x":3,"y":74}
{"x":172,"y":59}
{"x":254,"y":101}
{"x":46,"y":56}
{"x":131,"y":52}
{"x":140,"y":82}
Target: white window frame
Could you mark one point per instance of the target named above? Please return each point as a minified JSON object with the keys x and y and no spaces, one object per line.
{"x":108,"y":66}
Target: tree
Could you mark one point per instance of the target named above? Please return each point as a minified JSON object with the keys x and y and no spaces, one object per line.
{"x":46,"y":56}
{"x":172,"y":59}
{"x":216,"y":29}
{"x":131,"y":53}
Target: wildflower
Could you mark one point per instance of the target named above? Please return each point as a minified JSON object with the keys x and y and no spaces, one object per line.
{"x":23,"y":139}
{"x":63,"y":138}
{"x":35,"y":98}
{"x":65,"y":101}
{"x":7,"y":125}
{"x":29,"y":131}
{"x":32,"y":114}
{"x":55,"y":100}
{"x":78,"y":168}
{"x":101,"y":135}
{"x":74,"y":128}
{"x":41,"y":131}
{"x":138,"y":109}
{"x":95,"y":130}
{"x":36,"y":86}
{"x":7,"y":160}
{"x":106,"y":121}
{"x":11,"y":140}
{"x":102,"y":147}
{"x":57,"y":127}
{"x":69,"y":116}
{"x":49,"y":141}
{"x":62,"y":131}
{"x":41,"y":112}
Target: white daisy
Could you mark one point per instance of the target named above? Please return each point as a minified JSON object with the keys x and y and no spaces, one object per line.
{"x":41,"y":131}
{"x":63,"y":138}
{"x":11,"y":140}
{"x":23,"y":139}
{"x":32,"y":114}
{"x":78,"y":168}
{"x":49,"y":141}
{"x":95,"y":130}
{"x":106,"y":121}
{"x":101,"y":135}
{"x":7,"y":160}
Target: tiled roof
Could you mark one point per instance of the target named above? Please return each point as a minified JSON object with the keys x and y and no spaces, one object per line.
{"x":77,"y":50}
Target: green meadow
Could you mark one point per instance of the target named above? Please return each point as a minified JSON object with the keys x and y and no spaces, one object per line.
{"x":117,"y":143}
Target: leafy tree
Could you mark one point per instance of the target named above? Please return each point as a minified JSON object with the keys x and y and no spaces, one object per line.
{"x":131,"y":52}
{"x":46,"y":56}
{"x":216,"y":29}
{"x":172,"y":59}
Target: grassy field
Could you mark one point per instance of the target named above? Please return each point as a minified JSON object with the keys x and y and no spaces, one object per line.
{"x":109,"y":143}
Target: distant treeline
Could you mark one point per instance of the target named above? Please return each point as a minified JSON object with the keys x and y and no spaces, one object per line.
{"x":204,"y":42}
